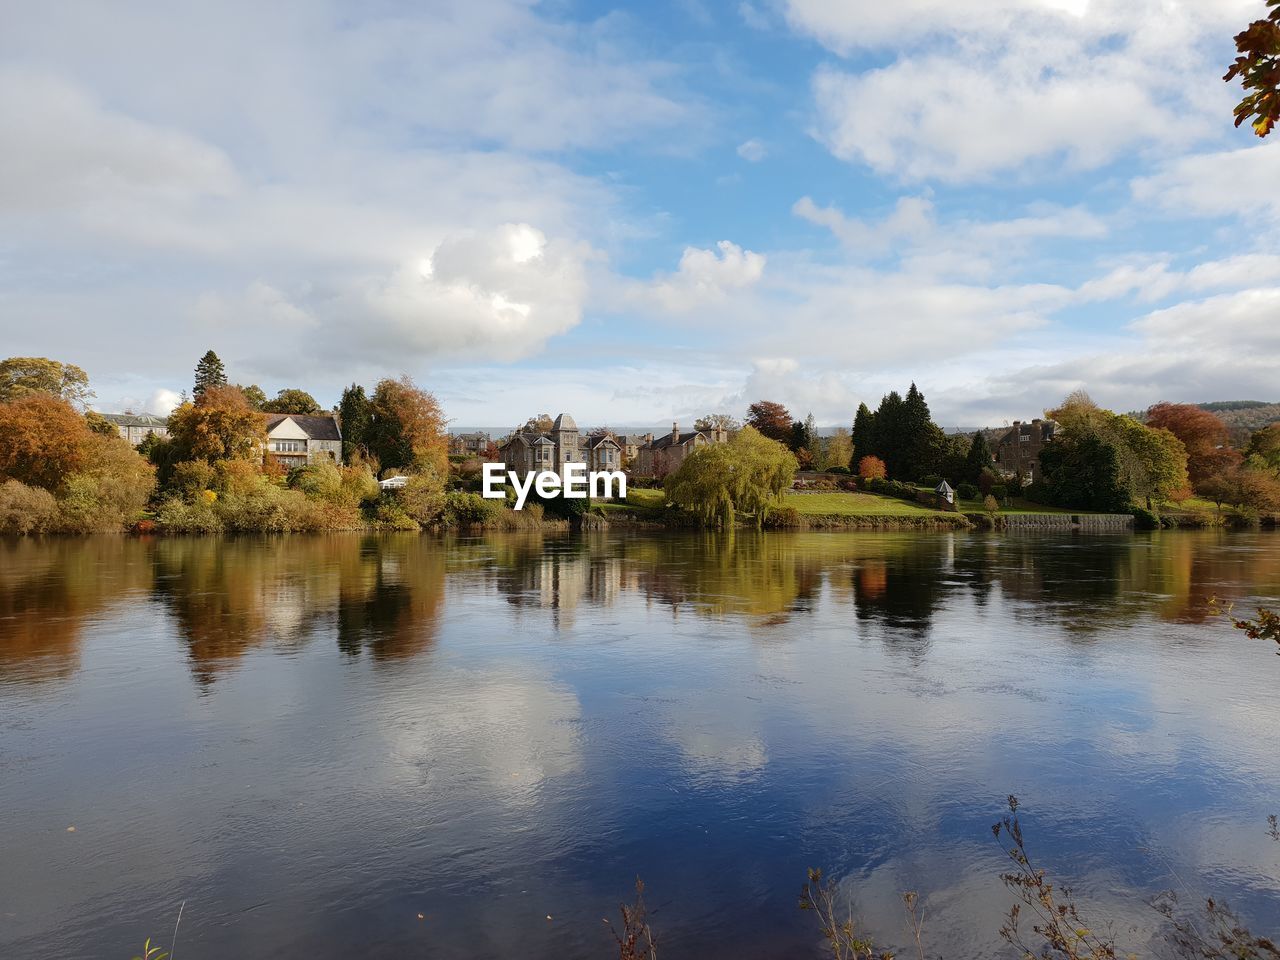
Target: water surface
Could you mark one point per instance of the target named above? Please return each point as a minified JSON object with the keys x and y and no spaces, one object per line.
{"x":313,"y":740}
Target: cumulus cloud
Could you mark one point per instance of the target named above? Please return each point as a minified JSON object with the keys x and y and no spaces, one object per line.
{"x":707,"y":276}
{"x":1027,"y":81}
{"x":1214,"y":184}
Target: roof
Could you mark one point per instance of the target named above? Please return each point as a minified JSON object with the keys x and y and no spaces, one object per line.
{"x":136,"y":419}
{"x":315,"y":426}
{"x":661,"y":443}
{"x":1047,"y":430}
{"x":593,"y":442}
{"x":471,"y":436}
{"x":564,"y":422}
{"x":943,"y":488}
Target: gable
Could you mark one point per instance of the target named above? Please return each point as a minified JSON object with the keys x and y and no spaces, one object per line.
{"x":287,"y":429}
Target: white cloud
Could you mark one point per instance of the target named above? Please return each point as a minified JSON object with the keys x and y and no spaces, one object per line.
{"x":753,"y":150}
{"x":1227,"y":183}
{"x":983,"y":87}
{"x":705,"y":276}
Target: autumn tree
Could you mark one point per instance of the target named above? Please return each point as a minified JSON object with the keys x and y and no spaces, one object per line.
{"x":723,"y":421}
{"x":408,"y":428}
{"x":771,"y":420}
{"x":209,"y":373}
{"x":1204,"y":434}
{"x":219,"y":425}
{"x":872,"y":468}
{"x":21,"y":376}
{"x":542,"y":423}
{"x":837,"y":450}
{"x":1258,"y":67}
{"x":43,"y":440}
{"x":716,"y":482}
{"x":292,"y":400}
{"x":1263,"y":452}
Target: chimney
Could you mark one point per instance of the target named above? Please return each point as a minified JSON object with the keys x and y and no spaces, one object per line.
{"x":1036,"y":421}
{"x":675,"y":431}
{"x":1017,"y":423}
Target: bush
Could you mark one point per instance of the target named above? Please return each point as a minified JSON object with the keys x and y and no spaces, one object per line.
{"x":967,"y":491}
{"x":177,"y":516}
{"x":25,"y":509}
{"x":839,"y":469}
{"x":190,"y":477}
{"x":422,"y":498}
{"x":990,"y":504}
{"x":931,"y":481}
{"x":1144,"y":519}
{"x":782,"y":518}
{"x":468,"y":508}
{"x":999,"y":491}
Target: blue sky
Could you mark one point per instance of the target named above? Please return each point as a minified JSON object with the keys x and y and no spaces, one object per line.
{"x":639,"y":212}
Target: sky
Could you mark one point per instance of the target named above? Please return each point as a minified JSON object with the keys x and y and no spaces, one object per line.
{"x":642,"y":212}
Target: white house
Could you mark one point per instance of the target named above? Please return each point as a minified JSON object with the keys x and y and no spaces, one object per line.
{"x":296,"y":439}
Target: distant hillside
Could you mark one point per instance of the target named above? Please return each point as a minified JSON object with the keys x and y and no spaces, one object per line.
{"x":1245,"y":416}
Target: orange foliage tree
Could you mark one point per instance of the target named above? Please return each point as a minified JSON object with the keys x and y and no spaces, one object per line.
{"x":43,"y":440}
{"x":219,"y":425}
{"x":408,"y":429}
{"x":872,"y":468}
{"x":1203,"y":434}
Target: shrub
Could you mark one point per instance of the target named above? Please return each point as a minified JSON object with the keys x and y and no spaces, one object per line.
{"x":177,"y":516}
{"x":849,"y":484}
{"x":422,"y":498}
{"x":872,"y":468}
{"x":967,"y":491}
{"x":932,"y":480}
{"x":190,"y":477}
{"x":25,"y":509}
{"x":782,"y":518}
{"x":999,"y":491}
{"x":990,"y":504}
{"x":839,"y":469}
{"x":469,"y":508}
{"x":1144,"y":519}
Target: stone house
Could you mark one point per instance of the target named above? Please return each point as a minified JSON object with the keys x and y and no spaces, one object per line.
{"x":603,"y":452}
{"x":295,"y":439}
{"x":526,"y":451}
{"x":662,"y":456}
{"x":631,"y":444}
{"x":135,"y":427}
{"x":1018,"y":450}
{"x":469,"y":444}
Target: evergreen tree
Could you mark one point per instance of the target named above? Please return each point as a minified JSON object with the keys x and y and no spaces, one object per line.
{"x":887,"y":438}
{"x":922,"y":440}
{"x":209,"y":373}
{"x":356,"y":417}
{"x":979,"y":458}
{"x":863,"y":437}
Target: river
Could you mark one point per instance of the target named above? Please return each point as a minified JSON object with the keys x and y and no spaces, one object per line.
{"x":405,"y":746}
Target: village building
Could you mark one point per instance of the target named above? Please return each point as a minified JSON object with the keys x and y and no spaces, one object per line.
{"x":296,"y":440}
{"x":602,"y":452}
{"x":631,"y":444}
{"x":136,"y":427}
{"x":662,"y":456}
{"x":529,"y":451}
{"x":1017,"y":452}
{"x":469,"y":444}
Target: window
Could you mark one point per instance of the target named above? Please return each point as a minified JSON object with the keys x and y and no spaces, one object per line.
{"x":287,"y":446}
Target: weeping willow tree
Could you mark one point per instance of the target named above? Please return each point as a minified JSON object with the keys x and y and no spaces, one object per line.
{"x":746,"y":475}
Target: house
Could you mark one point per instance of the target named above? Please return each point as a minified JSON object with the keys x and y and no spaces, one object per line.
{"x":469,"y":444}
{"x":1017,"y":452}
{"x":296,"y":440}
{"x":602,"y":452}
{"x":662,"y":456}
{"x":136,"y":427}
{"x":631,"y":444}
{"x":528,"y":451}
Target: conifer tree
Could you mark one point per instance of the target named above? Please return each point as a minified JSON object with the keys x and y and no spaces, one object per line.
{"x":863,"y":436}
{"x":209,"y":373}
{"x":356,"y":417}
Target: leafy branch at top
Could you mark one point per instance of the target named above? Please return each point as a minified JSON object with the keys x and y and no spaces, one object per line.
{"x":1258,"y":68}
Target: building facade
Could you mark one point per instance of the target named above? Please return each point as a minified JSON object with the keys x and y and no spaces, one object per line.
{"x":469,"y":444}
{"x":296,"y":440}
{"x":135,"y":427}
{"x":1017,"y":452}
{"x":662,"y":456}
{"x":527,"y":451}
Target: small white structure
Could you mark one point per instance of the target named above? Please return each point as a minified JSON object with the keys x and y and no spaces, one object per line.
{"x":945,"y":493}
{"x":393,"y":483}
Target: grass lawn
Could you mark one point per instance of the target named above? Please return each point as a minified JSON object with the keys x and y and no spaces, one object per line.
{"x":640,"y":502}
{"x":855,"y":505}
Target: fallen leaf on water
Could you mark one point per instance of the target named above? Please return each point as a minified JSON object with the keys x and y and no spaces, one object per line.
{"x":421,"y":917}
{"x":548,"y":916}
{"x":71,"y":829}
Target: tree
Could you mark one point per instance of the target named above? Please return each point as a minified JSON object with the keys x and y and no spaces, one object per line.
{"x":1156,"y":462}
{"x":20,"y":376}
{"x":922,"y":442}
{"x":256,"y":396}
{"x":1204,"y":435}
{"x":408,"y":428}
{"x":209,"y":373}
{"x":542,"y":423}
{"x":356,"y":417}
{"x":1263,"y":452}
{"x":1083,"y":471}
{"x":1258,"y":68}
{"x":711,"y":421}
{"x":771,"y":420}
{"x":864,"y":435}
{"x":43,"y":440}
{"x":872,"y":468}
{"x":1258,"y":490}
{"x":219,"y":425}
{"x":292,"y":400}
{"x":804,"y":436}
{"x":978,"y":459}
{"x":888,"y":440}
{"x":749,"y":474}
{"x":837,"y":451}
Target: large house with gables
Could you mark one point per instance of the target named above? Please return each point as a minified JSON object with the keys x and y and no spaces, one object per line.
{"x":296,"y":440}
{"x":1017,"y":452}
{"x":528,"y":451}
{"x":663,"y":455}
{"x":135,"y":427}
